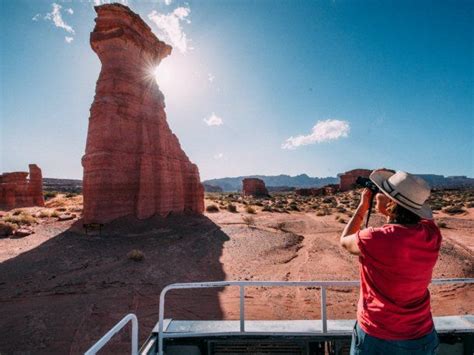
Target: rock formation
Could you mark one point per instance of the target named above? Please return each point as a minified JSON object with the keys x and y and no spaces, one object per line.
{"x":327,"y":190}
{"x":133,"y":163}
{"x":348,"y":179}
{"x":16,"y":190}
{"x":254,"y":187}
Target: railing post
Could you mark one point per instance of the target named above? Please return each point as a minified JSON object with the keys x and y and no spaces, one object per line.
{"x":323,"y":310}
{"x":242,"y":308}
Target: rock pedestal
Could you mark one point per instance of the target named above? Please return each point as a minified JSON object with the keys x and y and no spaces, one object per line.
{"x":17,"y":190}
{"x":254,"y":187}
{"x":348,"y":179}
{"x":133,"y":163}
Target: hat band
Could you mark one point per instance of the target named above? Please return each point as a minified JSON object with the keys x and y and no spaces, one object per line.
{"x":399,"y":196}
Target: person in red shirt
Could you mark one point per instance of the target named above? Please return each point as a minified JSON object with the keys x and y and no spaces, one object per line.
{"x":396,"y":264}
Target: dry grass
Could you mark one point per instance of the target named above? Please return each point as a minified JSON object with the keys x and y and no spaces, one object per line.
{"x":20,"y":219}
{"x":249,"y":220}
{"x":136,"y":255}
{"x":250,"y":209}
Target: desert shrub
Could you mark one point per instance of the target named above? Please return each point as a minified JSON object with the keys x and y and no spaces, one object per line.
{"x":293,"y":207}
{"x":337,"y":218}
{"x":44,"y":214}
{"x":442,"y":224}
{"x":17,"y":212}
{"x":249,"y":220}
{"x":70,"y":194}
{"x":454,"y":210}
{"x":258,"y":203}
{"x":250,"y":209}
{"x":136,"y":255}
{"x":54,"y":214}
{"x":21,"y":219}
{"x":280,"y":226}
{"x":320,"y":213}
{"x":340,"y":209}
{"x":267,"y":208}
{"x":470,"y":204}
{"x":49,"y":194}
{"x":231,"y":208}
{"x":342,"y":220}
{"x":212,"y":208}
{"x":7,"y":229}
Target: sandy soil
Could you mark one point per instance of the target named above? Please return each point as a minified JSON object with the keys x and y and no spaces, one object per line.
{"x":61,"y":290}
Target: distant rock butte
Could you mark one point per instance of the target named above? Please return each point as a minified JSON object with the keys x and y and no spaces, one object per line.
{"x":19,"y":190}
{"x":254,"y":187}
{"x":133,"y":163}
{"x":348,"y":179}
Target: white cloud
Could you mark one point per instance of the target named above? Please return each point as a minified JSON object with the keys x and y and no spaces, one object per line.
{"x":68,"y":39}
{"x":101,"y":2}
{"x":70,"y":11}
{"x":170,"y":28}
{"x":168,"y":2}
{"x":214,"y":120}
{"x":219,"y":156}
{"x":57,"y":19}
{"x":210,"y":77}
{"x":36,"y":17}
{"x":323,"y":131}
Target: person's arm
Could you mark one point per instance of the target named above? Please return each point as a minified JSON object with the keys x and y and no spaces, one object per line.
{"x":348,"y":237}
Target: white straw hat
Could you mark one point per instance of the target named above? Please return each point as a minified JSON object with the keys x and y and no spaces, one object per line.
{"x":407,"y":190}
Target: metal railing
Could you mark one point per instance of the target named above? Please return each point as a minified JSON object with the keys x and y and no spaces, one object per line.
{"x":117,"y":327}
{"x":323,"y":285}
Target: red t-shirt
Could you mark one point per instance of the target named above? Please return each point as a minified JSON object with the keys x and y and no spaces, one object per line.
{"x":396,"y":265}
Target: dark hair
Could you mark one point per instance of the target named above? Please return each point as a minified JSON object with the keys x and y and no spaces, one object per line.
{"x":400,"y":215}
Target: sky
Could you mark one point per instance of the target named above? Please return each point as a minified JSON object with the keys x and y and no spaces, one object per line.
{"x":256,"y":87}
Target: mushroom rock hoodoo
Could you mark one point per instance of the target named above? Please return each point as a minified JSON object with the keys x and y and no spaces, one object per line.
{"x":254,"y":187}
{"x":17,"y":189}
{"x":133,"y":163}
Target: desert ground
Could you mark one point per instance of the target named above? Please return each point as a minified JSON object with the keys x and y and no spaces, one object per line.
{"x":61,"y":288}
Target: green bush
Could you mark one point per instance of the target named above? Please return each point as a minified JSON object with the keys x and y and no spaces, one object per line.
{"x":212,"y":208}
{"x":49,"y":194}
{"x":231,"y":208}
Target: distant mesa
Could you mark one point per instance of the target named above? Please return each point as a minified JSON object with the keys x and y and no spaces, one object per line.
{"x":327,"y":190}
{"x":279,"y":183}
{"x":348,"y":179}
{"x":133,"y":163}
{"x":212,"y":188}
{"x":21,"y":189}
{"x":254,"y":187}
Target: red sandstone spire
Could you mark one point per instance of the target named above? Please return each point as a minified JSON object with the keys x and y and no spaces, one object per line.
{"x":133,"y":164}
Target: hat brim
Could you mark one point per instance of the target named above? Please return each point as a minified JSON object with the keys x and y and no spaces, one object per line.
{"x":378,"y":177}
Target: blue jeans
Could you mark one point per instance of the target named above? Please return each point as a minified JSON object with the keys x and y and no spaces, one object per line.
{"x":365,"y":344}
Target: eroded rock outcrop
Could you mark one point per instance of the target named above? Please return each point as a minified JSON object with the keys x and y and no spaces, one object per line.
{"x":348,"y":179}
{"x":133,"y":164}
{"x":254,"y":187}
{"x":17,"y":189}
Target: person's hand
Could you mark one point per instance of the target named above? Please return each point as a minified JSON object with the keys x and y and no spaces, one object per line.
{"x":365,"y":198}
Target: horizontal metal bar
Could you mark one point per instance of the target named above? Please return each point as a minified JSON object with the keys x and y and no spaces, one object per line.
{"x":352,"y":283}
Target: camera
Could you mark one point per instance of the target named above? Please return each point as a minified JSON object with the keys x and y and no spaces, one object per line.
{"x":366,"y":182}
